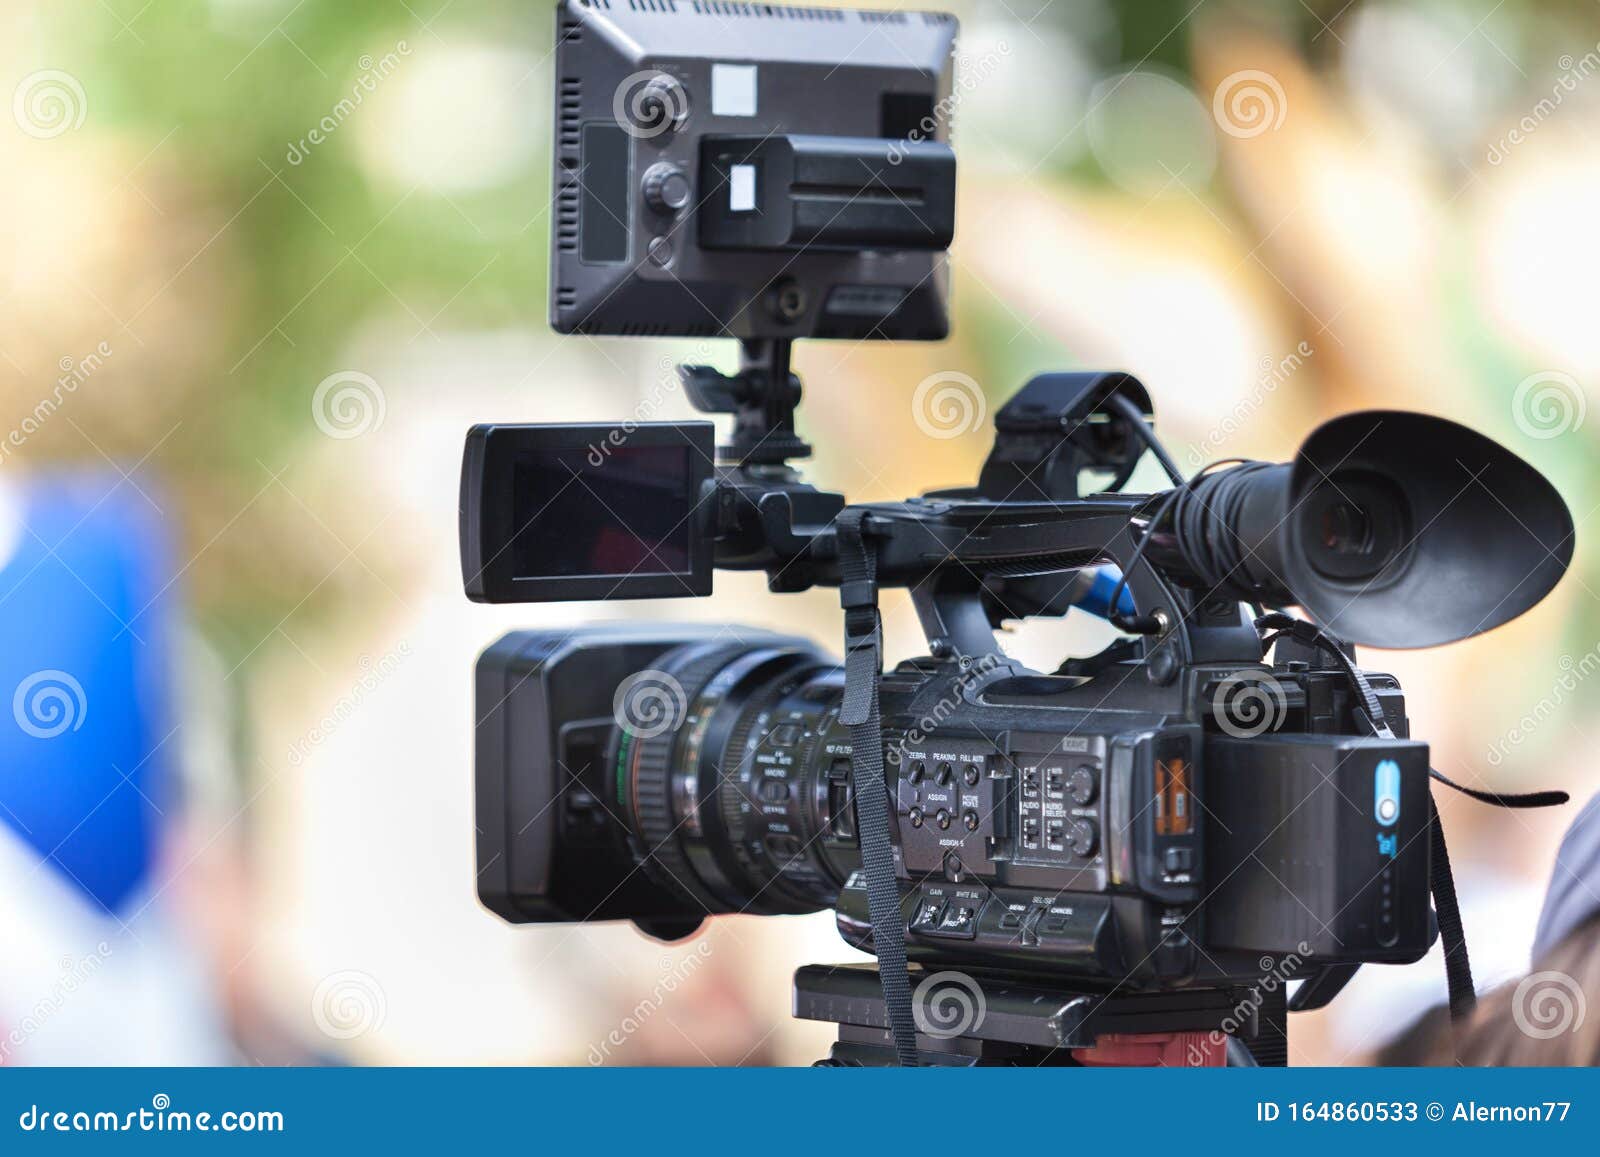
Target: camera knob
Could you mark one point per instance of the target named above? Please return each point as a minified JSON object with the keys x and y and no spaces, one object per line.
{"x":660,"y":106}
{"x":1085,"y":838}
{"x":666,"y":187}
{"x":1081,"y":786}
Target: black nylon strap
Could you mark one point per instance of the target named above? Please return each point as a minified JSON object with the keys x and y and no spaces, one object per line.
{"x":1442,"y":882}
{"x":1277,"y":623}
{"x":1516,"y":799}
{"x":1457,"y":967}
{"x":863,"y":663}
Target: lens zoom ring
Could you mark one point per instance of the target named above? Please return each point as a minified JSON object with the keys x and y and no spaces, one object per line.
{"x":655,"y":825}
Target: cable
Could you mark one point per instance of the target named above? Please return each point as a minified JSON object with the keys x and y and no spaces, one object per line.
{"x":1135,"y":417}
{"x":1192,"y":522}
{"x":1136,"y":623}
{"x":1204,"y":510}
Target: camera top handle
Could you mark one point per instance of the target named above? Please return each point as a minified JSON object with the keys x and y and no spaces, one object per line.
{"x":1015,"y":545}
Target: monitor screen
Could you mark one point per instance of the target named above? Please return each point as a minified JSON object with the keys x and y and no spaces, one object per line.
{"x":565,"y":511}
{"x":602,"y":511}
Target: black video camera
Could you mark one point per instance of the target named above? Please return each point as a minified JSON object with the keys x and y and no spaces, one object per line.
{"x":1220,"y":792}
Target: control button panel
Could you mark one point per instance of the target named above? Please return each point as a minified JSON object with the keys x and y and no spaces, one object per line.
{"x":946,"y":911}
{"x":949,"y":801}
{"x":1063,"y":925}
{"x":1058,"y":817}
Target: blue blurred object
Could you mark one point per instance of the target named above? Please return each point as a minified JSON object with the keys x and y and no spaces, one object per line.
{"x":1097,"y":600}
{"x":86,"y":748}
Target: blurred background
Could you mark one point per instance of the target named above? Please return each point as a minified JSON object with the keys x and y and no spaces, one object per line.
{"x":237,"y":359}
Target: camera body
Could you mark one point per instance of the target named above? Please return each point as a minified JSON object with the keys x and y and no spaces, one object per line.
{"x":1219,"y":793}
{"x":662,"y":774}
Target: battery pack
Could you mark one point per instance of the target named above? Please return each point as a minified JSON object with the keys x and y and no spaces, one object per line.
{"x":1317,"y":845}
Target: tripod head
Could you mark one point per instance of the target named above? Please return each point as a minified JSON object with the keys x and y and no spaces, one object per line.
{"x":971,"y":1021}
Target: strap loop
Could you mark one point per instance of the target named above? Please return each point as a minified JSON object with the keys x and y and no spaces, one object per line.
{"x":858,"y":593}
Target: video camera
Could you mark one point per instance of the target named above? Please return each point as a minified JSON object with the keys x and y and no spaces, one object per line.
{"x":1122,"y":845}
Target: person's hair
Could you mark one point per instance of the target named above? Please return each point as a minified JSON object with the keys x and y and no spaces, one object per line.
{"x":1549,"y":1017}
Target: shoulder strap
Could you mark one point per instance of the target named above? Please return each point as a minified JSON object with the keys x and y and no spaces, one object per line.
{"x":863,"y":664}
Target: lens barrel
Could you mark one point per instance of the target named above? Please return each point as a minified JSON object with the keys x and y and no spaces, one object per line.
{"x":732,"y":807}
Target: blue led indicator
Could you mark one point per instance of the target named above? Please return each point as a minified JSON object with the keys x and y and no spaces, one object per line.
{"x":1386,"y":793}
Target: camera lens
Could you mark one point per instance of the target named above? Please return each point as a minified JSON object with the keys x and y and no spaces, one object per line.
{"x":1355,"y":527}
{"x":1346,"y":529}
{"x":734,"y":806}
